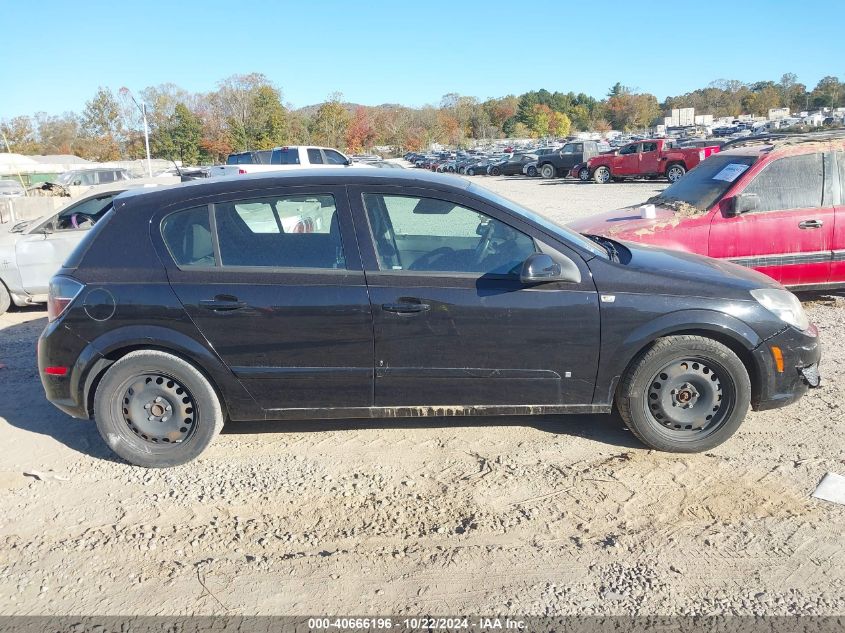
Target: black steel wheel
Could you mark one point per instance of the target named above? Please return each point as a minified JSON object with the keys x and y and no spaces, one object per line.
{"x":155,"y":409}
{"x":684,"y":394}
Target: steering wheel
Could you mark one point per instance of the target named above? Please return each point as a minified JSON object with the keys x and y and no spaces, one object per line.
{"x":484,"y":244}
{"x":77,"y":218}
{"x":423,"y":262}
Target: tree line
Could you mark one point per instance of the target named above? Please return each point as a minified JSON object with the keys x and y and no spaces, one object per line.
{"x":247,"y":112}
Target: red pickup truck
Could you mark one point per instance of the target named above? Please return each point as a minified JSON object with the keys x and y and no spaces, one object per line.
{"x":644,"y":159}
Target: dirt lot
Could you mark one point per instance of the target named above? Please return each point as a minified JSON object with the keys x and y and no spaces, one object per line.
{"x":551,"y":515}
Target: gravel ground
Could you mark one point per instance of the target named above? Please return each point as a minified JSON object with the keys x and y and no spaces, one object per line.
{"x":548,"y":515}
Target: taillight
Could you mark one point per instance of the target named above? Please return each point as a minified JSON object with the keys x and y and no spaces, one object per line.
{"x":63,"y":290}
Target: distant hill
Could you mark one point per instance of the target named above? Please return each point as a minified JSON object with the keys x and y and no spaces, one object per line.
{"x":311,"y":110}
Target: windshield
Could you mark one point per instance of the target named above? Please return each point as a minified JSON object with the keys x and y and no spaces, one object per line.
{"x":567,"y":234}
{"x":707,"y":183}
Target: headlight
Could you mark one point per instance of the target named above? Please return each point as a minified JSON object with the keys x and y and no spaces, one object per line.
{"x":784,"y":305}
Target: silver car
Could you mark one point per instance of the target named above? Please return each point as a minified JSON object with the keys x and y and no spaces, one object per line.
{"x":11,"y":188}
{"x":32,"y":251}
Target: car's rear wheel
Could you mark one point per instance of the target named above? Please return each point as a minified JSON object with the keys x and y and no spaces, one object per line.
{"x":531,"y":171}
{"x":602,"y":175}
{"x":584,"y":174}
{"x":5,"y":299}
{"x":675,"y":172}
{"x":495,"y":171}
{"x":156,"y":410}
{"x":470,"y":172}
{"x":684,"y":394}
{"x":548,"y":171}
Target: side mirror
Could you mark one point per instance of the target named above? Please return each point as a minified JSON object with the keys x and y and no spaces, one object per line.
{"x":540,"y":268}
{"x":348,"y":162}
{"x":743,"y":203}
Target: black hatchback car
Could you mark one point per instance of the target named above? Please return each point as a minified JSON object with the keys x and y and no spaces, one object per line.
{"x":333,"y":294}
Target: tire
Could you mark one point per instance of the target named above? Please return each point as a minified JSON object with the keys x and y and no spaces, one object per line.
{"x":548,"y":171}
{"x":5,"y":299}
{"x":684,"y":394}
{"x":532,"y":171}
{"x":602,"y":175}
{"x":584,"y":174}
{"x":470,"y":172}
{"x":675,"y":172}
{"x":495,"y":171}
{"x":178,"y":434}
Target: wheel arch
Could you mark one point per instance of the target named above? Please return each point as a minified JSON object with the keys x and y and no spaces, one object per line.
{"x":731,"y":332}
{"x":103,"y":352}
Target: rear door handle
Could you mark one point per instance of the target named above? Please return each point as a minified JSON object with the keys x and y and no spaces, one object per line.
{"x":810,"y":224}
{"x":405,"y":308}
{"x":222,"y":304}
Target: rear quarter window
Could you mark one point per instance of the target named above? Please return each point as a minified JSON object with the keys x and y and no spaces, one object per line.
{"x":187,"y":235}
{"x":75,"y":258}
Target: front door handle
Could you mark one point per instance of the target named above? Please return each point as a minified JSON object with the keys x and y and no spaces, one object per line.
{"x":406,"y":308}
{"x":810,"y":224}
{"x":222,"y":303}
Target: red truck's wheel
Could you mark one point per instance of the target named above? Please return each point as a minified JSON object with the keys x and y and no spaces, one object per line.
{"x":601,"y":175}
{"x":675,"y":172}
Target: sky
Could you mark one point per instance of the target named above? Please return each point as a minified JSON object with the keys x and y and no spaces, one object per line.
{"x":54,"y":55}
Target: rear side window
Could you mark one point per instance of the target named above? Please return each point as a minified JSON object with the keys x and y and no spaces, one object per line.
{"x":285,"y":156}
{"x":793,"y":182}
{"x":315,"y":157}
{"x":187,"y":235}
{"x":649,"y":147}
{"x":280,"y":232}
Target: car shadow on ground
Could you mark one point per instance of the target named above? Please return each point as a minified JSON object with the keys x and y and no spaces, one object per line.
{"x":23,"y":406}
{"x":22,"y":401}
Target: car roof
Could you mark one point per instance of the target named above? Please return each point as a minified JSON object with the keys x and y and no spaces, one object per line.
{"x":295,"y":177}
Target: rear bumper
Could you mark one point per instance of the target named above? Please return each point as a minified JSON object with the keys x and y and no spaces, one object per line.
{"x":60,"y":348}
{"x":801,"y":353}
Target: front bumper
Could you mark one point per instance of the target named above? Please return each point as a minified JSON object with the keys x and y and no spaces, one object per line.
{"x":800,"y":353}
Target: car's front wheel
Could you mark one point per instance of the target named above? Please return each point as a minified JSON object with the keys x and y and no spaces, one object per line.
{"x":155,"y":409}
{"x":495,"y":171}
{"x":584,"y":174}
{"x":685,"y":394}
{"x":548,"y":171}
{"x":531,"y":171}
{"x":602,"y":175}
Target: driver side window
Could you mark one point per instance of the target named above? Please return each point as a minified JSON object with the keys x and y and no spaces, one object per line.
{"x":628,"y":149}
{"x":427,"y":234}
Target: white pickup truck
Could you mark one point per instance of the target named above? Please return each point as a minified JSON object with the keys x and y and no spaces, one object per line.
{"x":282,"y":158}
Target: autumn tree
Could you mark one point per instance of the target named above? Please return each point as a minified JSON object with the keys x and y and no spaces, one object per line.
{"x":330,"y":123}
{"x":828,"y":93}
{"x":19,"y":135}
{"x":360,"y":133}
{"x":102,"y":127}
